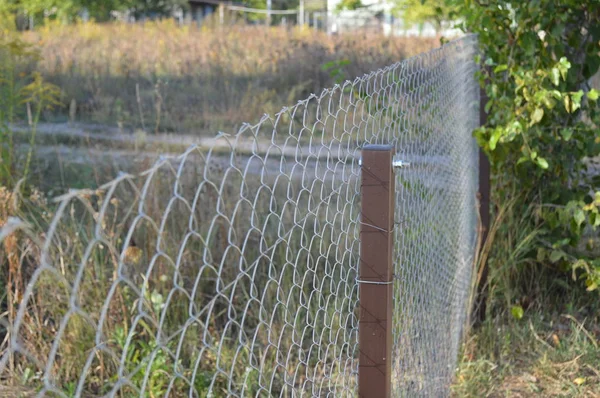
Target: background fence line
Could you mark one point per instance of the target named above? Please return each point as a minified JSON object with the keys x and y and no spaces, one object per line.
{"x":234,"y":270}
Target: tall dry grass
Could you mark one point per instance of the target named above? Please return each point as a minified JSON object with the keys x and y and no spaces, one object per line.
{"x":162,"y":77}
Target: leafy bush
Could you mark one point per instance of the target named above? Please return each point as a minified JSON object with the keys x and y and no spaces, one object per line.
{"x":542,"y":129}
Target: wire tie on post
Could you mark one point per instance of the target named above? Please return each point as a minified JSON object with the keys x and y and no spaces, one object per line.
{"x":396,"y":163}
{"x":374,"y":282}
{"x":374,"y":226}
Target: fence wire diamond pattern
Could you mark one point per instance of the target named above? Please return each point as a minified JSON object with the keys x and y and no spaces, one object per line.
{"x":232,"y":270}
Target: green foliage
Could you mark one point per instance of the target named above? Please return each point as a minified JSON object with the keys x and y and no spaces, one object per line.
{"x":70,"y":10}
{"x":538,"y":59}
{"x":147,"y":364}
{"x":336,"y":69}
{"x":349,"y":5}
{"x":420,"y":11}
{"x":40,"y":9}
{"x":22,"y":95}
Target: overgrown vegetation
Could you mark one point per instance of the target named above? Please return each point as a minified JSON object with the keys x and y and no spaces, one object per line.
{"x":539,"y":339}
{"x":22,"y":95}
{"x":540,"y":356}
{"x":540,"y":334}
{"x":162,"y":77}
{"x":542,"y":132}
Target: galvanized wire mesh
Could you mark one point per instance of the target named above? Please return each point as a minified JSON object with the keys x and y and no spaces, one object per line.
{"x":436,"y":208}
{"x":231,"y":270}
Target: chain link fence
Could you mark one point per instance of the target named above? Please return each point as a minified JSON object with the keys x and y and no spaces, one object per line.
{"x":232,"y":270}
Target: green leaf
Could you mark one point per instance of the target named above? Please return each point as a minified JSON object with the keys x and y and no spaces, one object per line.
{"x":568,"y":103}
{"x":517,"y":312}
{"x":494,"y":91}
{"x":529,"y":42}
{"x":541,"y":254}
{"x":556,"y":94}
{"x":593,"y":94}
{"x":555,"y":76}
{"x":523,"y":159}
{"x":543,"y":163}
{"x":579,"y":217}
{"x":488,"y":106}
{"x":566,"y":134}
{"x":328,"y":65}
{"x":576,"y":98}
{"x":549,"y":101}
{"x":595,"y":219}
{"x":495,"y":138}
{"x":591,"y":285}
{"x":500,"y":68}
{"x":536,"y":116}
{"x":517,"y":127}
{"x":556,"y":255}
{"x":563,"y":66}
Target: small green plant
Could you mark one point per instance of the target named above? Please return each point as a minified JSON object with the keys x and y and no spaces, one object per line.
{"x":22,"y":94}
{"x":336,"y":69}
{"x":147,"y":364}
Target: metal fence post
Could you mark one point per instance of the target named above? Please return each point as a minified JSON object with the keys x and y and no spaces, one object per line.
{"x":376,"y":271}
{"x":484,"y":215}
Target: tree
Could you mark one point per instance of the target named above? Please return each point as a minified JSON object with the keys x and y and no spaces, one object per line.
{"x":349,"y":5}
{"x":70,"y":10}
{"x":419,"y":12}
{"x":102,"y":10}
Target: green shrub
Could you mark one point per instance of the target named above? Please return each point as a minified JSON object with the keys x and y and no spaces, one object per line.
{"x":538,"y":59}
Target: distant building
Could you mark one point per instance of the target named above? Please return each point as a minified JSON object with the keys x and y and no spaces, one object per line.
{"x":200,"y":9}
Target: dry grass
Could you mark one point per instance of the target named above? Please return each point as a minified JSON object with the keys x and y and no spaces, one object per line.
{"x":164,"y":284}
{"x":162,"y":77}
{"x":553,"y":350}
{"x":537,"y":356}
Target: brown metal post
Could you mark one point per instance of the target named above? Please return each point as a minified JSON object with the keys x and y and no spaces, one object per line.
{"x":376,"y":272}
{"x":484,"y":214}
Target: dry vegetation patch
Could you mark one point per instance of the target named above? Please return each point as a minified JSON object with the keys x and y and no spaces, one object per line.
{"x":162,"y":77}
{"x":536,"y":357}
